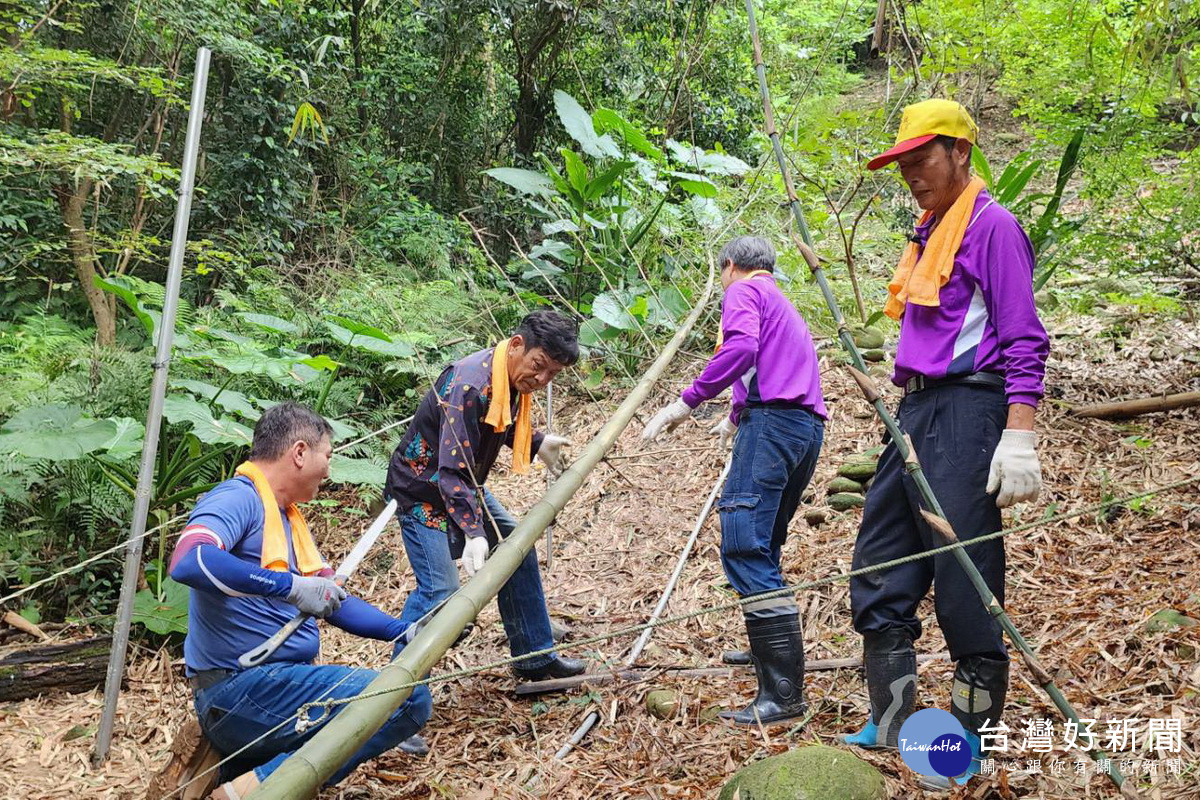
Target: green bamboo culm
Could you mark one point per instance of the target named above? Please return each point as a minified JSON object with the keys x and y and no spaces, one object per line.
{"x":302,"y":774}
{"x":936,"y":517}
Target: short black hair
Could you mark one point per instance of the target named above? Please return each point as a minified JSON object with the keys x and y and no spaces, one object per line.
{"x":283,"y":425}
{"x":947,"y":142}
{"x":553,"y":332}
{"x":748,"y":253}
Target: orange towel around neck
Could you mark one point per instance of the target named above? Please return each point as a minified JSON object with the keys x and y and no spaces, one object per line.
{"x":274,"y":543}
{"x":918,"y":280}
{"x":499,"y":414}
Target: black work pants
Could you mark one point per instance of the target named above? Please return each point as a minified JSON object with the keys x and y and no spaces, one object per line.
{"x":955,"y":429}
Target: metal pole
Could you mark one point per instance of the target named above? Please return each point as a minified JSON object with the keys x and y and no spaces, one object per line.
{"x":937,"y":519}
{"x":591,"y":719}
{"x":158,"y":390}
{"x":305,"y":770}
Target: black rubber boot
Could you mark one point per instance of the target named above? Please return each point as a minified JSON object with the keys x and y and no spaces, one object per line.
{"x":976,"y":701}
{"x":737,"y":658}
{"x":980,"y":688}
{"x":890,"y":666}
{"x":777,"y":648}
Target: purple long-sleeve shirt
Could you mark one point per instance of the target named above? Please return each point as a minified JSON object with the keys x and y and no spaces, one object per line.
{"x":767,"y":354}
{"x":986,"y":320}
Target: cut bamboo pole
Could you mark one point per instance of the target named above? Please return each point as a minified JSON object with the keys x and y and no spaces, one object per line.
{"x":1142,"y":405}
{"x":310,"y":766}
{"x":592,"y":718}
{"x":903,"y":445}
{"x":649,"y":673}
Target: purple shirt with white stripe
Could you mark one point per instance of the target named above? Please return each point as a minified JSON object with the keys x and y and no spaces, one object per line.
{"x":987,"y":321}
{"x":767,"y":354}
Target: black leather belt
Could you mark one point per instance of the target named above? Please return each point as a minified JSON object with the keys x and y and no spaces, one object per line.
{"x":208,"y":678}
{"x":919,"y":383}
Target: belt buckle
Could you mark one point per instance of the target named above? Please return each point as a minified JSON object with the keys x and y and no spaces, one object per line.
{"x":915,"y":384}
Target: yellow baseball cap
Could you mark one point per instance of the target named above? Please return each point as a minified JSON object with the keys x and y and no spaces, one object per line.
{"x":924,"y":121}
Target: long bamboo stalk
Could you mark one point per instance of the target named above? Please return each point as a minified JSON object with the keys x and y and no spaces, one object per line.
{"x":591,"y":719}
{"x":936,"y":516}
{"x":303,"y":773}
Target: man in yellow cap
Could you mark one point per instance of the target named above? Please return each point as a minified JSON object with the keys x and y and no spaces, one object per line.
{"x":971,"y":359}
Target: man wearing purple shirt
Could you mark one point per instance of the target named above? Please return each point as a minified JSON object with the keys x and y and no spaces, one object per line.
{"x":971,"y":364}
{"x":767,"y":356}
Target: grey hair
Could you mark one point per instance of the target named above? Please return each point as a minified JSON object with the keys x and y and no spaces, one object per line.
{"x":748,"y":253}
{"x":282,"y":426}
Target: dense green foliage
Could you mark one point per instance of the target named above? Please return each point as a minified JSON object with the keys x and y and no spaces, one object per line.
{"x":385,"y":186}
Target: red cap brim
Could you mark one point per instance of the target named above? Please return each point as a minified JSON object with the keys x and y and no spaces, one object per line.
{"x":887,"y":157}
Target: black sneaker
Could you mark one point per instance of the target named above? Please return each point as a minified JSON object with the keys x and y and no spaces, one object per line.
{"x":558,"y":668}
{"x":414,"y":745}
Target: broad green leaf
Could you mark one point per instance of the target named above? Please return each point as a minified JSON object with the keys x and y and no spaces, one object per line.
{"x":555,"y":249}
{"x":578,"y":123}
{"x":606,"y":120}
{"x":186,"y":410}
{"x":227,"y":398}
{"x":361,"y":328}
{"x":979,"y":163}
{"x":540,"y":268}
{"x":1011,"y":190}
{"x":605,"y":180}
{"x":666,"y":306}
{"x":270,"y":323}
{"x":127,"y":441}
{"x":168,"y":616}
{"x":120,"y":287}
{"x":342,"y":431}
{"x":322,"y":362}
{"x":523,"y":180}
{"x":358,"y":471}
{"x":711,"y":163}
{"x":610,"y":309}
{"x":695,"y":184}
{"x":55,"y":432}
{"x":371,"y":343}
{"x":590,"y":332}
{"x":577,"y":171}
{"x":559,"y":226}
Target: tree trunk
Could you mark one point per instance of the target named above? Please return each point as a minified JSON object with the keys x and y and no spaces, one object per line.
{"x":880,"y":27}
{"x":73,"y":667}
{"x":83,"y":259}
{"x":356,"y":10}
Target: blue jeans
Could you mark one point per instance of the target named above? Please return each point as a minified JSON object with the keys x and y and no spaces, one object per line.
{"x":521,"y":600}
{"x":238,"y":710}
{"x":774,"y":455}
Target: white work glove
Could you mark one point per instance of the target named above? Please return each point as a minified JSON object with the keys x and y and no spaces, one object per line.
{"x":475,"y":552}
{"x":1015,"y":469}
{"x":667,"y":419}
{"x":724,"y":431}
{"x":551,"y":454}
{"x":316,"y":596}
